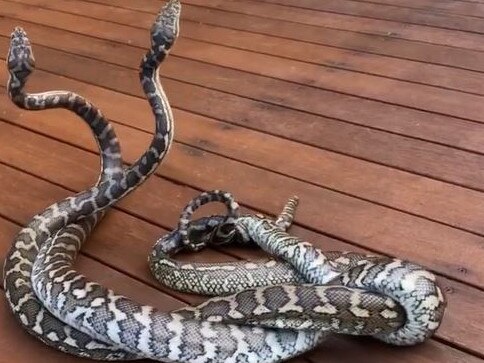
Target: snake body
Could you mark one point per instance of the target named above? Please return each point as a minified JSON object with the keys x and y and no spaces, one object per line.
{"x":28,"y":309}
{"x":215,"y":279}
{"x":139,"y":329}
{"x":395,"y":301}
{"x":413,"y":300}
{"x":113,"y":185}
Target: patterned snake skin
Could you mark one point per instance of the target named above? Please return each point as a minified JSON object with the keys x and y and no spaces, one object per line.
{"x":211,"y":332}
{"x":113,"y":185}
{"x":49,"y":329}
{"x":403,"y":295}
{"x":223,"y":279}
{"x":173,"y":338}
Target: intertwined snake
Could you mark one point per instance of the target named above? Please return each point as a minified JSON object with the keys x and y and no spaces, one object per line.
{"x":403,"y":298}
{"x":219,"y":330}
{"x":113,"y":184}
{"x":173,"y":337}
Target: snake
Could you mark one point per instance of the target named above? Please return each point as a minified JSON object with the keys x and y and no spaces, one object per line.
{"x":414,"y":302}
{"x":45,"y":326}
{"x":102,"y":313}
{"x":142,"y":330}
{"x":194,"y":235}
{"x":113,"y":184}
{"x":174,"y":338}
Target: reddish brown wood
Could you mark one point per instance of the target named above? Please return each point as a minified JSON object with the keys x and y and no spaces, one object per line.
{"x":469,"y":8}
{"x":367,"y":43}
{"x":363,"y":25}
{"x":417,"y":96}
{"x":387,"y":12}
{"x":159,"y":208}
{"x":346,"y":22}
{"x":378,"y":44}
{"x":436,"y":200}
{"x":433,"y":127}
{"x":248,"y":107}
{"x":117,"y":250}
{"x":385,"y":66}
{"x":454,"y":165}
{"x":208,"y":171}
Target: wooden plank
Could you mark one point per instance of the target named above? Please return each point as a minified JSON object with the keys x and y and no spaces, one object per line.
{"x":360,"y":352}
{"x":388,"y":12}
{"x":414,"y":123}
{"x":422,"y":196}
{"x":407,"y":94}
{"x":418,"y":72}
{"x":376,"y":27}
{"x":210,"y":186}
{"x":370,"y":44}
{"x":474,"y":332}
{"x":228,"y":164}
{"x":462,"y":298}
{"x":209,"y":171}
{"x":469,"y":8}
{"x":447,"y":77}
{"x":117,"y":249}
{"x":437,"y":161}
{"x":419,"y":33}
{"x":464,"y":170}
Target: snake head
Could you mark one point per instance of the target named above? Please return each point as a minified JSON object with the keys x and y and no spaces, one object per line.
{"x":225,"y":233}
{"x":20,"y":58}
{"x":166,"y":27}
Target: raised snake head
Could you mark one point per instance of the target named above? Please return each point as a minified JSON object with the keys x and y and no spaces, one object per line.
{"x":20,"y":58}
{"x":166,"y":27}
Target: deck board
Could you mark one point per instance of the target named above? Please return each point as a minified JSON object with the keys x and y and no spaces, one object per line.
{"x":382,"y":108}
{"x":420,"y":33}
{"x":438,"y":161}
{"x":389,"y":67}
{"x":400,"y":14}
{"x":469,"y":8}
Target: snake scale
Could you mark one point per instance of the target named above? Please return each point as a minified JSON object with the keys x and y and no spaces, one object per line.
{"x":26,"y":307}
{"x":404,"y":298}
{"x":393,"y":300}
{"x":176,"y":339}
{"x":112,"y":185}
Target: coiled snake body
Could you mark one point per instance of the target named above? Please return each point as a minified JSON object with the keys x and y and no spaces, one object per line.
{"x":122,"y":324}
{"x":263,"y":324}
{"x":403,"y":299}
{"x":113,"y":185}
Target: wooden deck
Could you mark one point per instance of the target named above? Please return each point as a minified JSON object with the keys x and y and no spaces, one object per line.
{"x":372,"y":111}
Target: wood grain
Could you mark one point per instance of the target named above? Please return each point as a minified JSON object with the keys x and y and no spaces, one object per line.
{"x":370,"y":111}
